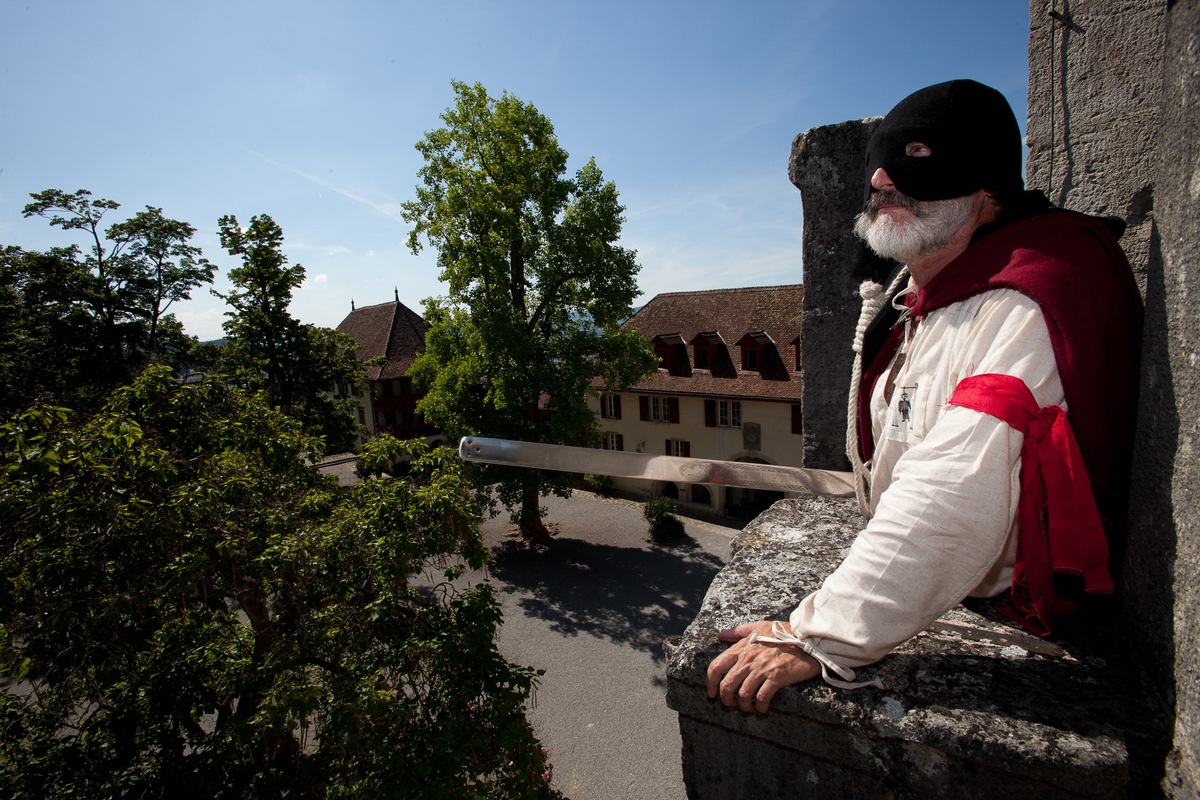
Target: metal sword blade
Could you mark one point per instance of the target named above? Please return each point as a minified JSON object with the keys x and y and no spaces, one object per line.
{"x":616,"y":463}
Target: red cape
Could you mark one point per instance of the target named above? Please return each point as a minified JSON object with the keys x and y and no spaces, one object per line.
{"x":1072,"y":266}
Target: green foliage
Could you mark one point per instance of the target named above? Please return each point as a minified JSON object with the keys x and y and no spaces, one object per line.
{"x":188,"y":609}
{"x":537,"y":283}
{"x":168,"y":268}
{"x":81,"y":322}
{"x":42,"y":325}
{"x":296,"y":364}
{"x":664,"y":526}
{"x":600,"y":484}
{"x":263,"y":337}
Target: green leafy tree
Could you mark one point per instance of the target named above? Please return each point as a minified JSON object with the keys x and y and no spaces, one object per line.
{"x":47,"y":334}
{"x":537,"y":283}
{"x":127,"y":278}
{"x":168,"y":267}
{"x":297,"y":365}
{"x":187,"y":609}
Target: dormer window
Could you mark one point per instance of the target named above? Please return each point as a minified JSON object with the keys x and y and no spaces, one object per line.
{"x":712,"y":351}
{"x":760,"y":354}
{"x":672,"y":354}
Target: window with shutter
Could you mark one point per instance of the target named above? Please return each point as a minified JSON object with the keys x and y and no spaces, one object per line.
{"x":729,"y":413}
{"x":660,"y":409}
{"x":679,"y":447}
{"x":610,"y":406}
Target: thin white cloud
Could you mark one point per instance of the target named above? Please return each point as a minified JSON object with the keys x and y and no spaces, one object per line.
{"x":331,"y":250}
{"x":389,"y":209}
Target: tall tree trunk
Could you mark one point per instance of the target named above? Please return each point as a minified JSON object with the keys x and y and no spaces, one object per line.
{"x":516,"y":278}
{"x":531,"y":525}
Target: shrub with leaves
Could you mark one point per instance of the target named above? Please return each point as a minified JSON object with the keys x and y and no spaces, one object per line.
{"x":188,"y":609}
{"x":600,"y":484}
{"x":664,"y":526}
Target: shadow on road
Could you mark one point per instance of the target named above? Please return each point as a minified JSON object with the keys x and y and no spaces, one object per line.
{"x":631,"y":595}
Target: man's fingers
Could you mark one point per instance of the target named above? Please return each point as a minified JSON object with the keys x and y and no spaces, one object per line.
{"x":748,"y":676}
{"x":747,"y":693}
{"x":736,"y":634}
{"x":717,"y":669}
{"x":722,"y":663}
{"x":766,"y":693}
{"x":739,"y":679}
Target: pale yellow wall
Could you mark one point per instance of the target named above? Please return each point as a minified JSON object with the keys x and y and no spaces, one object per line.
{"x":778,"y":445}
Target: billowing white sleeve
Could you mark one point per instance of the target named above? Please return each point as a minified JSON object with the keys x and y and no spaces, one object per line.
{"x":943,"y":527}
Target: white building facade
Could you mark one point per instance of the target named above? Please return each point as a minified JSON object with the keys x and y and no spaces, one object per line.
{"x":728,"y":387}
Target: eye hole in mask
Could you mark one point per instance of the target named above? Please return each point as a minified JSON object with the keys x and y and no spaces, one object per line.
{"x":971,"y":134}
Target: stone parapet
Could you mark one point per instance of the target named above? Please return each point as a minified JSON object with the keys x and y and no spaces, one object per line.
{"x":972,"y":707}
{"x":826,"y":165}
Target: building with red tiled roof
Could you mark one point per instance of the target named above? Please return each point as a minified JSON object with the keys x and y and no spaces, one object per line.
{"x":397,"y":333}
{"x":728,"y":387}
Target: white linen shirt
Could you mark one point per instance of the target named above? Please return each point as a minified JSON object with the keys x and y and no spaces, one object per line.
{"x":944,"y":483}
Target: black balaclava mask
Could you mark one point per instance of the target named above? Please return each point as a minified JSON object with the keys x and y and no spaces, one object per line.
{"x":972,"y":136}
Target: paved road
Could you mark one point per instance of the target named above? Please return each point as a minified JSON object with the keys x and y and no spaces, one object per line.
{"x":592,"y":611}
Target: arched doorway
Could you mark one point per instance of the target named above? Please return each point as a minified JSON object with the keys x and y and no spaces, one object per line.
{"x":743,"y":503}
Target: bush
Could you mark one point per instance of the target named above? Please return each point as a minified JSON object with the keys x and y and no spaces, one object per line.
{"x":188,"y":609}
{"x":664,"y":526}
{"x":600,"y":484}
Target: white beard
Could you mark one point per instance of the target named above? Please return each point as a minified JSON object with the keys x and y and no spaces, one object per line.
{"x":933,"y":224}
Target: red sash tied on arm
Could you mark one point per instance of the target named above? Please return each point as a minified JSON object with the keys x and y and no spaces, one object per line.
{"x":1059,"y":527}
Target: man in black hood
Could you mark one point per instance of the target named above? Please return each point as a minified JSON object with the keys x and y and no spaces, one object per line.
{"x":1004,"y":315}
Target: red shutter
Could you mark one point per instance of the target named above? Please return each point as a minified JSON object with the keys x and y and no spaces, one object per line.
{"x":673,"y":409}
{"x":797,"y":418}
{"x":710,"y":413}
{"x":603,"y":406}
{"x":669,"y":448}
{"x":687,"y":449}
{"x":620,"y":441}
{"x":644,"y":408}
{"x":616,"y":406}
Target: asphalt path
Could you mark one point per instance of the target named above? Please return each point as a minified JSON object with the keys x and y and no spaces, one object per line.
{"x":592,"y":609}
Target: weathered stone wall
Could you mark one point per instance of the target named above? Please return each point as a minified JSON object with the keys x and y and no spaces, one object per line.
{"x":1112,"y":130}
{"x":1095,"y":86}
{"x":1171,"y":408}
{"x":826,"y":165}
{"x":970,"y":708}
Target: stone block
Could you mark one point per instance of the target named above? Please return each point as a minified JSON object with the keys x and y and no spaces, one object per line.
{"x":826,"y":165}
{"x":1095,"y":92}
{"x":1169,"y":534}
{"x":972,"y":708}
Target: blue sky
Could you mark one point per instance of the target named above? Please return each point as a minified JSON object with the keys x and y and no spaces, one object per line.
{"x":308,"y":112}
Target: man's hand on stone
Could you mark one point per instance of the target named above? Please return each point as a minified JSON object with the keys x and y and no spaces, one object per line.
{"x":748,"y":675}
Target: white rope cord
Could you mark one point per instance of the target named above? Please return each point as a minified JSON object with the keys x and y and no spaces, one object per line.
{"x":874,"y":299}
{"x":781,"y":635}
